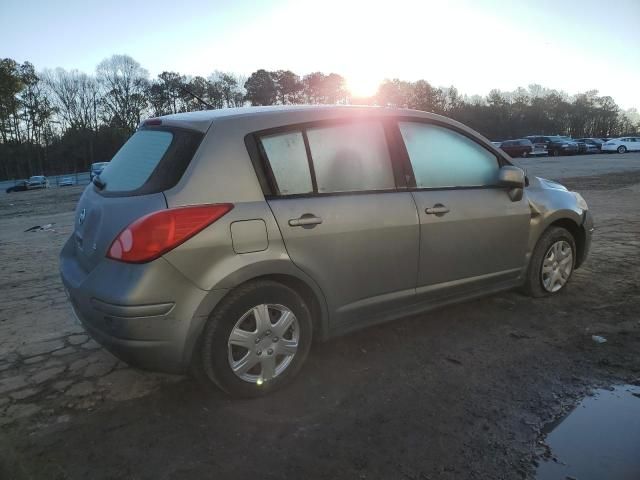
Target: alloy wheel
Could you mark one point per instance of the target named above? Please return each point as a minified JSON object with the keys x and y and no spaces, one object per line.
{"x":263,"y":342}
{"x":557,"y":266}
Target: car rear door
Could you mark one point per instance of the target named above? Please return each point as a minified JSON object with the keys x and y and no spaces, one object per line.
{"x":343,"y":218}
{"x":472,"y":236}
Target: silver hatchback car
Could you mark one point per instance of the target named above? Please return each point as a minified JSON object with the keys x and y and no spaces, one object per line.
{"x":225,"y":241}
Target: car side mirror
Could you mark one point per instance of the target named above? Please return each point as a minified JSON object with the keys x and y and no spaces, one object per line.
{"x":514,"y":179}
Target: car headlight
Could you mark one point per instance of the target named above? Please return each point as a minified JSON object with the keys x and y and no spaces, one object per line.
{"x":580,"y":201}
{"x":564,"y":145}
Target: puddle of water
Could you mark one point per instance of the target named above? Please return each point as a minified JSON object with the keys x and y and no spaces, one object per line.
{"x":599,"y":439}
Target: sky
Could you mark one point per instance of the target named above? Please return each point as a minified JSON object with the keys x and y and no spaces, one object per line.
{"x":570,"y":45}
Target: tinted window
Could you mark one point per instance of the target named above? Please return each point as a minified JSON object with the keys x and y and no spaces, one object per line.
{"x":351,"y":157}
{"x":135,"y":161}
{"x":288,"y":159}
{"x":443,"y":158}
{"x":152,"y":160}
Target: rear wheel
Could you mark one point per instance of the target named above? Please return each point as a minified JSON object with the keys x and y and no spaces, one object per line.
{"x":525,"y":154}
{"x":622,"y":149}
{"x":552,"y":263}
{"x":257,"y":339}
{"x":556,"y":153}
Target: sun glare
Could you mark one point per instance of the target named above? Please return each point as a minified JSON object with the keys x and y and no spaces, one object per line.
{"x":362,"y":86}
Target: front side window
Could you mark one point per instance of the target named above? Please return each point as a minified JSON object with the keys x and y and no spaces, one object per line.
{"x":287,"y":157}
{"x":443,"y":158}
{"x":351,"y":157}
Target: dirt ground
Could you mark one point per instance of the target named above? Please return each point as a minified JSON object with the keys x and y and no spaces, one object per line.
{"x":462,"y":392}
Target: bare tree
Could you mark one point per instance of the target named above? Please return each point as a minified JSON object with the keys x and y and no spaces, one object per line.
{"x":124,"y":84}
{"x":76,"y":97}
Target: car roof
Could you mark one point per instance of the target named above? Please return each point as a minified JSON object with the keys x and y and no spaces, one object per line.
{"x":289,"y":114}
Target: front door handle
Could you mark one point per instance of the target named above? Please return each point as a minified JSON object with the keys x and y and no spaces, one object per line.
{"x":437,"y":209}
{"x":305,"y":220}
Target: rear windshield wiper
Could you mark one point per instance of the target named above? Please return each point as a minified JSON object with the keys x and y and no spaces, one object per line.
{"x":99,"y":183}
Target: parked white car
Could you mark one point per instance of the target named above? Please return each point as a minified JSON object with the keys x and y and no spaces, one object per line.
{"x":622,"y":145}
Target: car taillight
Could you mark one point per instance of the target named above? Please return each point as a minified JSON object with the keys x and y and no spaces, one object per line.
{"x":157,"y":233}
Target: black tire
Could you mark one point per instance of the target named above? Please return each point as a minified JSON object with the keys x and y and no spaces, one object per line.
{"x":622,"y":149}
{"x":533,"y":281}
{"x":213,"y":343}
{"x":556,"y":153}
{"x":525,"y":154}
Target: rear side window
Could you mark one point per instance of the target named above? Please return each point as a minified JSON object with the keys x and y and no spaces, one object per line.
{"x":351,"y":157}
{"x":151,"y":161}
{"x":348,"y":157}
{"x":443,"y":158}
{"x":288,"y":159}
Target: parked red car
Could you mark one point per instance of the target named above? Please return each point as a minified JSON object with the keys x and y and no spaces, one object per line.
{"x":517,"y":148}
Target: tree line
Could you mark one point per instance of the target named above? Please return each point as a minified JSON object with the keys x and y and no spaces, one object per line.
{"x":60,"y":121}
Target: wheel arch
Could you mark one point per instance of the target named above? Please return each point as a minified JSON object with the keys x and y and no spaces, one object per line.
{"x":578,"y":234}
{"x":286,"y":274}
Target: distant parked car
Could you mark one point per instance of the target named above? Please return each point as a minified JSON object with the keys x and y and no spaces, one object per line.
{"x":555,"y":145}
{"x":582,"y":147}
{"x":518,"y":148}
{"x":20,"y":186}
{"x":38,"y":181}
{"x":96,"y":169}
{"x":594,"y":145}
{"x":66,"y":182}
{"x":622,"y":145}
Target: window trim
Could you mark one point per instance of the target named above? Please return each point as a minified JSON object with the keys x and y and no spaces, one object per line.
{"x":411,"y":179}
{"x":267,"y":179}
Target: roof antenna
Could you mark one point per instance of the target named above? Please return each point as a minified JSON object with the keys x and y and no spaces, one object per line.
{"x":186,"y":90}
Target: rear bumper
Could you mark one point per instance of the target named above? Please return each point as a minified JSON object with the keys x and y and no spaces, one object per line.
{"x":569,"y":150}
{"x":147,"y":315}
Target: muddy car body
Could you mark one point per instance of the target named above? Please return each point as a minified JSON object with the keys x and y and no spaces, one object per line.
{"x":299,"y":223}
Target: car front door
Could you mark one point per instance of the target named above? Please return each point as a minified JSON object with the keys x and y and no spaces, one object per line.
{"x":343,"y":220}
{"x":472,"y":235}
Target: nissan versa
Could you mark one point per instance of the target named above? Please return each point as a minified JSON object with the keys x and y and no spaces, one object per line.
{"x":224,"y":241}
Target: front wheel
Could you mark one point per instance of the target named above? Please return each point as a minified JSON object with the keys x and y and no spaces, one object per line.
{"x":622,"y":149}
{"x":257,"y":339}
{"x":525,"y":154}
{"x":552,"y":263}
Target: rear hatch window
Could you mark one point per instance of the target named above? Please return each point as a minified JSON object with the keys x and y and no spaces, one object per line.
{"x":151,"y":161}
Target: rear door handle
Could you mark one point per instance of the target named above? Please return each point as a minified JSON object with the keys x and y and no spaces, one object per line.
{"x":437,"y":209}
{"x":305,"y":220}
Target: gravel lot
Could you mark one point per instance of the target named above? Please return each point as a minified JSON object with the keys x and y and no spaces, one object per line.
{"x":462,"y":392}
